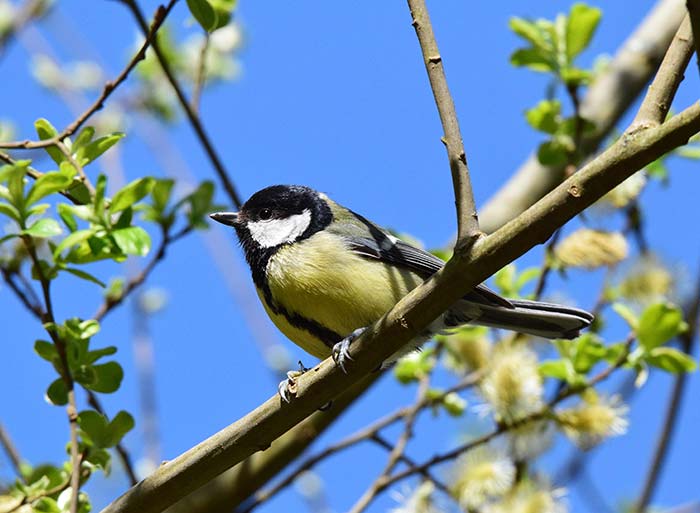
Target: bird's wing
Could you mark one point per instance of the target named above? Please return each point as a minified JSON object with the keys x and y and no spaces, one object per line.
{"x":374,"y":242}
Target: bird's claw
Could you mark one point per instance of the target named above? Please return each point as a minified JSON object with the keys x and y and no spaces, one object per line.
{"x":287,"y":389}
{"x":341,"y":351}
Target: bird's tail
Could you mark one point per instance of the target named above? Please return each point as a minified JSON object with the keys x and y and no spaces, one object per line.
{"x":536,"y":318}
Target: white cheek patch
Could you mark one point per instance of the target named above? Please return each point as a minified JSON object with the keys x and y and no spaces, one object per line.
{"x":274,"y":232}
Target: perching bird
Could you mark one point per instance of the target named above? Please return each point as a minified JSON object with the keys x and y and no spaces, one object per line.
{"x":323,"y":273}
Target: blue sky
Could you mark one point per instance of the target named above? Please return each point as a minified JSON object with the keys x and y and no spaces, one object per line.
{"x":333,"y":96}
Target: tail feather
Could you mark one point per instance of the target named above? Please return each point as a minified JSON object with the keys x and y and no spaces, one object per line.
{"x":536,"y":318}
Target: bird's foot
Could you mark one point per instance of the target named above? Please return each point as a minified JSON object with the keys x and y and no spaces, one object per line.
{"x":287,"y":389}
{"x":341,"y":351}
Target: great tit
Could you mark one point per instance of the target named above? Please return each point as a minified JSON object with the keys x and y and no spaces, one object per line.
{"x":324,"y":272}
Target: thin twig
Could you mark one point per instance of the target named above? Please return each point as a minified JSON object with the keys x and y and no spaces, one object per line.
{"x":657,"y":101}
{"x":113,"y":301}
{"x":121,"y":450}
{"x":503,"y":428}
{"x":191,"y":114}
{"x":366,"y":433}
{"x":673,"y":409}
{"x":30,"y":10}
{"x":11,"y":451}
{"x":397,"y":451}
{"x":201,"y":76}
{"x":4,"y":157}
{"x":109,"y":87}
{"x":33,"y":306}
{"x":467,"y":220}
{"x":77,"y":166}
{"x":71,"y":407}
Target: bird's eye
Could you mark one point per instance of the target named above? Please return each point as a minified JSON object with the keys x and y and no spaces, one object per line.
{"x":265,"y":214}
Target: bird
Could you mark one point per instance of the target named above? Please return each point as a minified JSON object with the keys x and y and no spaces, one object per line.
{"x":324,"y":273}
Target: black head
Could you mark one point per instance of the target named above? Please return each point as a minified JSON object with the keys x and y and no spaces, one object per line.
{"x":274,"y":217}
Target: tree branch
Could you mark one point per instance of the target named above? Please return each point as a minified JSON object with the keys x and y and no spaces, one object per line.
{"x":604,"y":103}
{"x":673,"y":409}
{"x":693,"y":7}
{"x":11,"y":451}
{"x":257,"y":430}
{"x":187,"y":107}
{"x":657,"y":101}
{"x":158,"y":19}
{"x":467,"y":220}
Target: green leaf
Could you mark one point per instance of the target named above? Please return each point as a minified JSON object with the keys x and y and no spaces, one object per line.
{"x":531,"y":32}
{"x":162,"y":189}
{"x":658,"y":324}
{"x":46,"y":350}
{"x":133,"y":240}
{"x":100,"y":458}
{"x":414,"y":366}
{"x":44,"y":228}
{"x":72,"y":239}
{"x":553,"y":153}
{"x":48,"y":184}
{"x":96,"y":148}
{"x":204,"y":13}
{"x":57,"y":393}
{"x":83,"y":138}
{"x":120,"y":425}
{"x":65,"y":212}
{"x":109,"y":377}
{"x":545,"y":116}
{"x":224,"y":9}
{"x":533,"y":59}
{"x":46,"y":130}
{"x":580,"y":27}
{"x":558,"y":369}
{"x":85,"y":276}
{"x":453,"y":404}
{"x":130,"y":194}
{"x":45,"y":505}
{"x":95,"y":355}
{"x":94,"y":425}
{"x":589,"y":350}
{"x":200,"y":204}
{"x":627,"y":314}
{"x":10,"y":211}
{"x":671,"y":360}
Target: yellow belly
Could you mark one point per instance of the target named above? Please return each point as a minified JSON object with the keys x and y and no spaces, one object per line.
{"x":332,"y":286}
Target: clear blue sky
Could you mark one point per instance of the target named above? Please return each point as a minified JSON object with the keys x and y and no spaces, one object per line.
{"x":332,"y":95}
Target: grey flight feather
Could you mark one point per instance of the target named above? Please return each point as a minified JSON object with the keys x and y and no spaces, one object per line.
{"x":481,"y":306}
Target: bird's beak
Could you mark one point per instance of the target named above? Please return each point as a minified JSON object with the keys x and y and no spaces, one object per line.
{"x":227,"y":218}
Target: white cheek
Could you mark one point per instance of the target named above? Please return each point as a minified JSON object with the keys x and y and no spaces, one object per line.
{"x":274,"y":232}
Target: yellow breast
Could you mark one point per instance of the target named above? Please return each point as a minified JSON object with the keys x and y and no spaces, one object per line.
{"x":321,"y":280}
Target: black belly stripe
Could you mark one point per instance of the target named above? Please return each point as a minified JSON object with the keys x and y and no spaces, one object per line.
{"x":325,"y":335}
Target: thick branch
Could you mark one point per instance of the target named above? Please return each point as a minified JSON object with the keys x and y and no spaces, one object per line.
{"x":257,"y":430}
{"x":467,"y":221}
{"x":604,"y":103}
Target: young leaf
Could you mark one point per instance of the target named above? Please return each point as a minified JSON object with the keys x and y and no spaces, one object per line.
{"x":671,"y":360}
{"x":130,"y":194}
{"x":46,"y":350}
{"x":97,"y":147}
{"x":530,"y":31}
{"x":580,"y":26}
{"x":545,"y":116}
{"x":109,"y":377}
{"x":204,"y":13}
{"x":73,"y":239}
{"x":57,"y":393}
{"x":46,"y":130}
{"x":48,"y":184}
{"x":43,"y":228}
{"x":133,"y":240}
{"x":85,"y":276}
{"x":658,"y":324}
